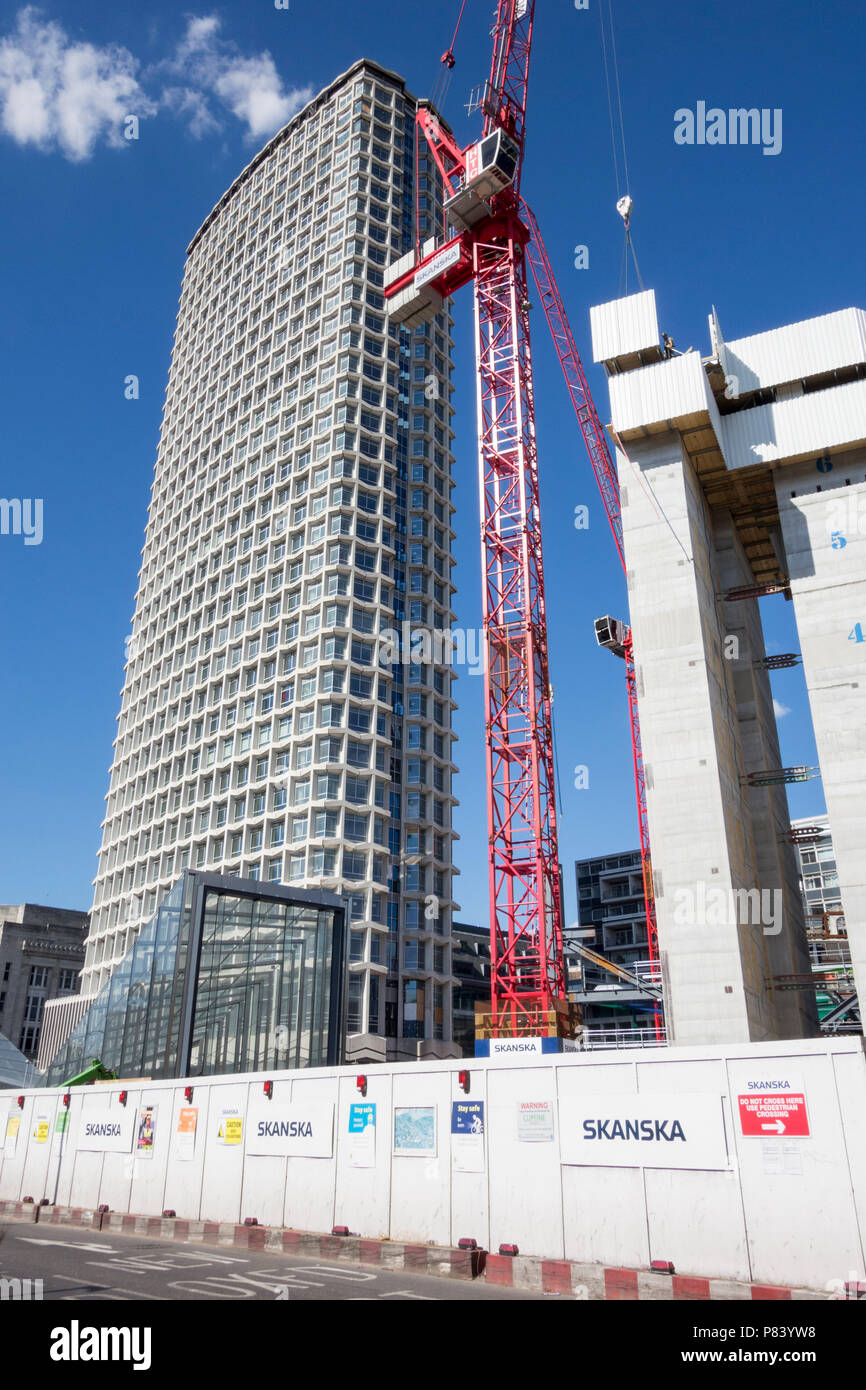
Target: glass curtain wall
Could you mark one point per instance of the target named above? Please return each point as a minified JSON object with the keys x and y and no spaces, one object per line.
{"x":222,"y":979}
{"x":264,"y":986}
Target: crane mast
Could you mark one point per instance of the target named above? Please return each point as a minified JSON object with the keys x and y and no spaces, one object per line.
{"x":604,"y":471}
{"x":504,"y":102}
{"x":527,"y":974}
{"x":481,"y":191}
{"x":488,"y":238}
{"x":527,"y":971}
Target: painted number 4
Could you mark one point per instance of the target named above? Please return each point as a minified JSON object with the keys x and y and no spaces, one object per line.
{"x":856,"y":633}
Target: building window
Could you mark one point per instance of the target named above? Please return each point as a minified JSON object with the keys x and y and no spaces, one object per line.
{"x":413,"y":1009}
{"x":354,"y":1017}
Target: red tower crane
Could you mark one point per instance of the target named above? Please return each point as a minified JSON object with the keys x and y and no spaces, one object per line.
{"x":609,"y":632}
{"x":490,"y":246}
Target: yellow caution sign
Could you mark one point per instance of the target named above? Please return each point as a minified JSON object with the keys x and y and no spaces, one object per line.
{"x":234,"y":1129}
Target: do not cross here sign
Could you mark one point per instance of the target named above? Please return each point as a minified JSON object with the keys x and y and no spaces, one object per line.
{"x":770,"y":1105}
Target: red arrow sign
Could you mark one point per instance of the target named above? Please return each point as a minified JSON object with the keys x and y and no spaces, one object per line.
{"x":774,"y":1113}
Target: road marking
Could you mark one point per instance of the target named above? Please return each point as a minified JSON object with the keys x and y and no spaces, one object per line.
{"x":109,"y":1291}
{"x":103,"y":1296}
{"x":271,"y":1281}
{"x":404,"y":1293}
{"x":203,"y":1287}
{"x":161,"y":1263}
{"x":357,"y":1276}
{"x":66,"y":1244}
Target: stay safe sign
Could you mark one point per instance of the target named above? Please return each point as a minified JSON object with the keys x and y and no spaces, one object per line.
{"x":773,"y":1104}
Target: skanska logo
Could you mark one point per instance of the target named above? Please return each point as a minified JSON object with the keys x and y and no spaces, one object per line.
{"x":291,"y":1129}
{"x":77,"y":1343}
{"x":634,"y":1129}
{"x":108,"y":1130}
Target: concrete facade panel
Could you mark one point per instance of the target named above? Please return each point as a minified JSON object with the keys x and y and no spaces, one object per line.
{"x":825,"y":543}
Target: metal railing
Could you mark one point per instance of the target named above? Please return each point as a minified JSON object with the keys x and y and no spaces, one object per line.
{"x":593,"y":1039}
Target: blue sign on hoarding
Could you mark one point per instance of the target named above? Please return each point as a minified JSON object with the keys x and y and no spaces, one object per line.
{"x":360,"y":1116}
{"x":467,"y":1117}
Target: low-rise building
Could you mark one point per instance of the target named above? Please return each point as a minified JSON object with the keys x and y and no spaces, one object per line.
{"x":470,"y":963}
{"x":41,"y":954}
{"x":610,"y":902}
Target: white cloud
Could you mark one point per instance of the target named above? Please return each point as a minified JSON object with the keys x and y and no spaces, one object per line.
{"x":193,"y":107}
{"x":56,"y":93}
{"x":779,"y":709}
{"x":250,"y":87}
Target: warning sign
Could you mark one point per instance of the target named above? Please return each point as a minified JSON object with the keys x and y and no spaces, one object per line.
{"x":773,"y":1105}
{"x":231,"y":1126}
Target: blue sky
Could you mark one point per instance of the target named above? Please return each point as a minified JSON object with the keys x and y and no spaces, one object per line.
{"x":92,"y":243}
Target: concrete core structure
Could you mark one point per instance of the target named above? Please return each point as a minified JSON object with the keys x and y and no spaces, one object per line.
{"x":744,"y":473}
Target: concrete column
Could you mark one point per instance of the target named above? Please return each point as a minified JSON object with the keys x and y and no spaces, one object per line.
{"x":716,"y":951}
{"x":823,"y":515}
{"x":785,"y":946}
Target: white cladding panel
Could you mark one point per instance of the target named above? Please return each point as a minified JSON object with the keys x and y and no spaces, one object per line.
{"x":791,"y":428}
{"x":310,"y":1184}
{"x":798,"y":350}
{"x":363,"y":1193}
{"x":624,"y":326}
{"x":664,"y":391}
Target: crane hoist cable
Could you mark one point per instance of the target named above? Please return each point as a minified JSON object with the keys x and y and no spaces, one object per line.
{"x":448,"y":60}
{"x":628,"y":245}
{"x":624,"y":207}
{"x":618,"y":89}
{"x":647,"y":488}
{"x":617,"y":139}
